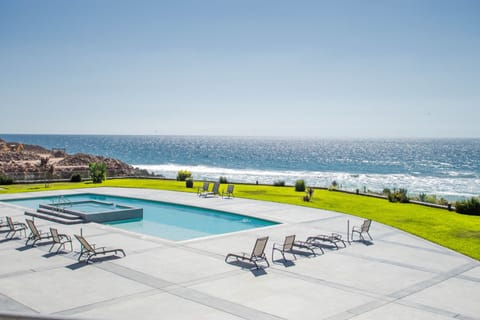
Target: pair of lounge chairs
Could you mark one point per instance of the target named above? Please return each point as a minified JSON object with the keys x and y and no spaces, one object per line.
{"x":56,"y":238}
{"x":290,"y":245}
{"x":336,"y":238}
{"x":204,"y":190}
{"x":61,"y":240}
{"x":258,"y":252}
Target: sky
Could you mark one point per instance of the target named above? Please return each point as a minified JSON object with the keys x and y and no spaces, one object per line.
{"x":364,"y":68}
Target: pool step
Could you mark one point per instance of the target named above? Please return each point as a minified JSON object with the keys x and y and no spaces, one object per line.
{"x":55,"y":216}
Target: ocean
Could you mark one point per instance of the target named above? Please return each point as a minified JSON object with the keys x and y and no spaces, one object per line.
{"x":448,"y":168}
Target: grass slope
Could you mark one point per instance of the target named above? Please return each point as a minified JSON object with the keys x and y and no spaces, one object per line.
{"x":452,"y":230}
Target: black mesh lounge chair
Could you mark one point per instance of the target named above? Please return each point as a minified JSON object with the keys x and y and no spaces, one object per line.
{"x":333,"y":238}
{"x":290,"y":244}
{"x":258,"y":253}
{"x":229,"y":192}
{"x":203,"y":189}
{"x":364,"y":228}
{"x":14,"y":228}
{"x":35,"y":234}
{"x":90,"y":251}
{"x":60,"y":239}
{"x":214,"y":191}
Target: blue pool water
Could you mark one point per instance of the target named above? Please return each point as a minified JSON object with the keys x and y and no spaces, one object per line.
{"x":93,"y":207}
{"x":165,"y":220}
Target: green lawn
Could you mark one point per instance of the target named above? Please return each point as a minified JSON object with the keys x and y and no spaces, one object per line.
{"x":455,"y":231}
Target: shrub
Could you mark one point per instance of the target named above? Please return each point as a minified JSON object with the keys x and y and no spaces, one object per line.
{"x":5,"y":180}
{"x":431,"y":199}
{"x":182,"y":175}
{"x":300,"y":185}
{"x":309,"y":192}
{"x":443,"y":202}
{"x":223,"y":180}
{"x":333,"y":186}
{"x":399,"y":195}
{"x":76,"y":177}
{"x":189,"y":182}
{"x":279,"y":183}
{"x":98,"y":171}
{"x":470,"y":206}
{"x":422,"y":197}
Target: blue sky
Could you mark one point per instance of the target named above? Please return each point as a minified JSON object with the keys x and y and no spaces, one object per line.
{"x":291,"y":68}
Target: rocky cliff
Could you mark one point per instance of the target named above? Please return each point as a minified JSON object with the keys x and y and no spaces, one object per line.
{"x":30,"y":162}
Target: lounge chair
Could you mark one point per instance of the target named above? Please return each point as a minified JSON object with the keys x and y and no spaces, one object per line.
{"x":90,"y":251}
{"x":35,"y":234}
{"x":364,"y":228}
{"x":14,"y":228}
{"x":60,"y":239}
{"x":258,"y":253}
{"x":203,"y":189}
{"x":333,"y":238}
{"x":289,"y":244}
{"x":214,"y":191}
{"x":4,"y":224}
{"x":229,"y":192}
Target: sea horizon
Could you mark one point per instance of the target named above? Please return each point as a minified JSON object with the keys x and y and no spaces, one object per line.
{"x":445,"y":167}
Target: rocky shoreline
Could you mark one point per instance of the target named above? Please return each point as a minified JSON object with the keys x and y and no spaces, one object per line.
{"x":24,"y":162}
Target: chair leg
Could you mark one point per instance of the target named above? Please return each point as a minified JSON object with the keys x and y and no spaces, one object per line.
{"x":266,"y":260}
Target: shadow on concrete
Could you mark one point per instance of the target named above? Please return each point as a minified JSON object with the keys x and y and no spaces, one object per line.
{"x":367,"y":242}
{"x":23,"y":248}
{"x":54,"y":253}
{"x":286,"y":263}
{"x":81,"y":264}
{"x":77,"y":265}
{"x":5,"y":240}
{"x":258,"y":272}
{"x":249,"y":266}
{"x":326,"y":246}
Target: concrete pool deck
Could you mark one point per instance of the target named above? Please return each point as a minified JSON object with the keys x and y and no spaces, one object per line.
{"x":395,"y":276}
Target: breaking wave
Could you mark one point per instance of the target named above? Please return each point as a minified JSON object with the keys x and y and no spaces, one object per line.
{"x":452,"y":186}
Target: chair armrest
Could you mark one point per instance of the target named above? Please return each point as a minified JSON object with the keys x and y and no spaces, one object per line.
{"x":65,"y":236}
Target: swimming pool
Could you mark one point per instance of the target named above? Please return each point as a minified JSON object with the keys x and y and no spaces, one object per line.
{"x":162,"y":219}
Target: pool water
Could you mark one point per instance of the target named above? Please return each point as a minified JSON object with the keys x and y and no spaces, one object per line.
{"x":93,"y":207}
{"x":166,"y":220}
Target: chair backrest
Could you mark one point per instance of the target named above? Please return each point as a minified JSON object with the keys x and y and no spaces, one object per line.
{"x":32,"y":227}
{"x":230,"y":188}
{"x":84,"y":243}
{"x":259,"y":247}
{"x":366,"y":225}
{"x":54,"y":234}
{"x":216,"y":185}
{"x":288,"y":243}
{"x":206,"y":184}
{"x":10,"y":223}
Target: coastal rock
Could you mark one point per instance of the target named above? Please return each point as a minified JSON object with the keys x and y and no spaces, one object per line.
{"x":31,"y":162}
